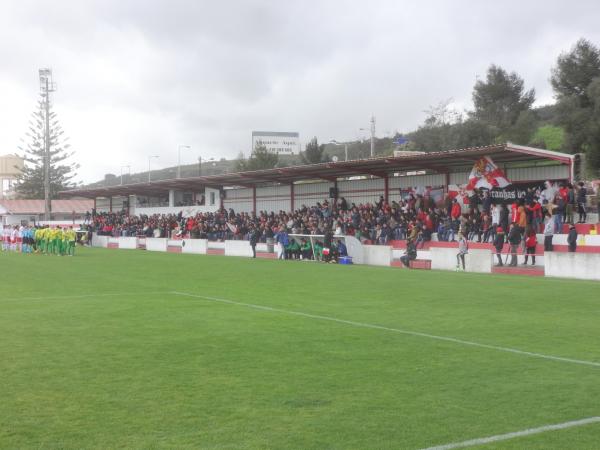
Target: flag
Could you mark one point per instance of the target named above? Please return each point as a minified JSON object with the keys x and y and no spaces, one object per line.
{"x":486,"y":174}
{"x":459,"y":192}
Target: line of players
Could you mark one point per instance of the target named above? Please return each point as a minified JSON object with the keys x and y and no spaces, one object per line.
{"x":47,"y":240}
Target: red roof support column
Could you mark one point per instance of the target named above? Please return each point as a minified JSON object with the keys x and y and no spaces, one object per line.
{"x":110,"y":204}
{"x":446,"y":182}
{"x":292,"y":206}
{"x":254,"y":199}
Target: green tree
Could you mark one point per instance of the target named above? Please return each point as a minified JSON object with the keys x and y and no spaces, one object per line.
{"x":30,"y":183}
{"x":576,"y":82}
{"x":240,"y":163}
{"x":446,"y":129}
{"x":575,"y":70}
{"x":500,"y":99}
{"x":261,"y":158}
{"x":314,"y":153}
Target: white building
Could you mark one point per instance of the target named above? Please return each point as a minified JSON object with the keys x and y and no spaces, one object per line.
{"x":280,"y":142}
{"x":10,"y":168}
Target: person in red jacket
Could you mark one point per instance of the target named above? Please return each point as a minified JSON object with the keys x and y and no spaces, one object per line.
{"x":514,"y":213}
{"x":455,"y":211}
{"x":530,"y":245}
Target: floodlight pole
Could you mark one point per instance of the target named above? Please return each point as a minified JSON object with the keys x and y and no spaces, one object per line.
{"x":372,"y":136}
{"x":179,"y":147}
{"x":47,"y":86}
{"x":150,"y":159}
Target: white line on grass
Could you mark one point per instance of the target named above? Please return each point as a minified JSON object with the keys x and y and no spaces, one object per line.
{"x":66,"y":297}
{"x":516,"y":434}
{"x":395,"y":330}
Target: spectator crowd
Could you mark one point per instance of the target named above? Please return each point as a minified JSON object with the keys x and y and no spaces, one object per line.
{"x":415,"y":218}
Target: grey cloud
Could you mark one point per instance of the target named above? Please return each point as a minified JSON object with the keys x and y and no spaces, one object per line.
{"x":140,"y":77}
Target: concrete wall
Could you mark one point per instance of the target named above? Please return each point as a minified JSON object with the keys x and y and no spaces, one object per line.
{"x":377,"y":255}
{"x":196,"y":246}
{"x":99,"y":241}
{"x":129,"y":243}
{"x":582,"y":266}
{"x":475,"y":261}
{"x":355,"y":250}
{"x":156,"y":244}
{"x":238,"y":248}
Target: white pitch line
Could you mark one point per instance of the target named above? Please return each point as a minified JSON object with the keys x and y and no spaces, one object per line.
{"x":516,"y":434}
{"x":66,"y":297}
{"x":395,"y":330}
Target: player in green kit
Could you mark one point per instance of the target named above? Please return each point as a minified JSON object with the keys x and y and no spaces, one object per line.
{"x":54,"y":240}
{"x":38,"y":239}
{"x":64,"y":242}
{"x":45,"y":240}
{"x":71,"y":238}
{"x":58,"y":239}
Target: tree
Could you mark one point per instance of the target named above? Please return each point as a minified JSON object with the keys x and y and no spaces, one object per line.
{"x":30,"y":183}
{"x":500,"y":99}
{"x":575,"y":70}
{"x":314,"y":153}
{"x":446,"y":128}
{"x":576,"y":82}
{"x":240,"y":163}
{"x":261,"y":158}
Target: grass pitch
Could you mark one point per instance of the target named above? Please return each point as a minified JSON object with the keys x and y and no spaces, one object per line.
{"x":97,"y":351}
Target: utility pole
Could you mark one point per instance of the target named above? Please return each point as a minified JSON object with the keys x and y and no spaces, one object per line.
{"x":47,"y":86}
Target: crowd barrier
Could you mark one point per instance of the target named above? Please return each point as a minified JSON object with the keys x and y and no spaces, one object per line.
{"x":477,"y":260}
{"x":582,"y":266}
{"x":377,"y":255}
{"x":238,"y":248}
{"x":156,"y":244}
{"x":195,"y":246}
{"x":578,"y":265}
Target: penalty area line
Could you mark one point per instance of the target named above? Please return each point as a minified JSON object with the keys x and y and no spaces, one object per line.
{"x":394,"y":330}
{"x":517,"y":434}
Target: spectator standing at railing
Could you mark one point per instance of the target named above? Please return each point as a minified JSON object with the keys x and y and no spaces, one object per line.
{"x":534,"y":212}
{"x":514,"y":239}
{"x":570,"y":204}
{"x":499,"y":244}
{"x":558,"y":214}
{"x":503,"y":217}
{"x":253,"y":238}
{"x":548,"y":232}
{"x":572,"y":238}
{"x":581,"y":202}
{"x":530,"y":245}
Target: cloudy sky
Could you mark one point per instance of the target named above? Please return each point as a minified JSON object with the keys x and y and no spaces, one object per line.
{"x":138,"y":78}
